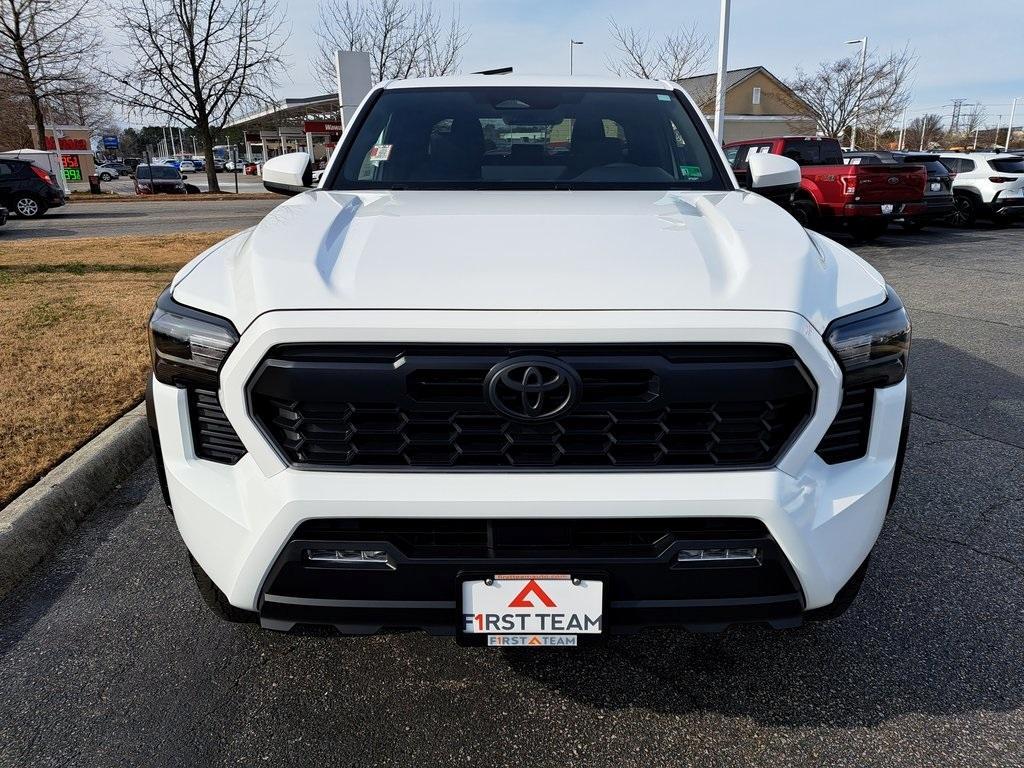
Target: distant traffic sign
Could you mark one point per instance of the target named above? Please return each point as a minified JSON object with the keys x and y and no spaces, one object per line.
{"x":110,"y":142}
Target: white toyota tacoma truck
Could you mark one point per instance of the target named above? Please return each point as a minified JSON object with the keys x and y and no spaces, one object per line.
{"x":528,"y":368}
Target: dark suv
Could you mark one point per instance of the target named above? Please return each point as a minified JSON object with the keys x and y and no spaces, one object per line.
{"x":28,"y":190}
{"x":938,"y":190}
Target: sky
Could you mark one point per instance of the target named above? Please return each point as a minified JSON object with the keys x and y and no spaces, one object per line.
{"x":971,"y":50}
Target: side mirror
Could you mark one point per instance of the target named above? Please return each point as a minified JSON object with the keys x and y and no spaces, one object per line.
{"x":773,"y":175}
{"x":183,"y":177}
{"x":288,"y":174}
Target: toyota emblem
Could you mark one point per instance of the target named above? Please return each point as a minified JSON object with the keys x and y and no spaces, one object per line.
{"x":532,"y":388}
{"x":894,"y":179}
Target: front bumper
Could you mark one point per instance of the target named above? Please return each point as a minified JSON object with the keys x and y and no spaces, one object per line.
{"x":240,"y":521}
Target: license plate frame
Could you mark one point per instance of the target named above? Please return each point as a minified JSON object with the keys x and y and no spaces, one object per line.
{"x":478,"y":639}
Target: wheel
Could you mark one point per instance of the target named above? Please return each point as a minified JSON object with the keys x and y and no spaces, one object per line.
{"x":865,"y":230}
{"x":29,"y":207}
{"x":105,"y":177}
{"x":963,"y":214}
{"x":913,"y":225}
{"x":216,"y":600}
{"x":844,"y":598}
{"x":806,"y":212}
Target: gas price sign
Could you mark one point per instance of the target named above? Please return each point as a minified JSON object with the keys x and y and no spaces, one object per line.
{"x":72,"y":167}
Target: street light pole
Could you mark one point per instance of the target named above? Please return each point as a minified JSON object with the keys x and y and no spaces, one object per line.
{"x":572,"y":44}
{"x":860,"y":87}
{"x":723,"y":64}
{"x":903,"y":127}
{"x":1009,"y":128}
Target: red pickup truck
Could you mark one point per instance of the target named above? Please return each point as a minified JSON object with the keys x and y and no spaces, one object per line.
{"x":864,"y":197}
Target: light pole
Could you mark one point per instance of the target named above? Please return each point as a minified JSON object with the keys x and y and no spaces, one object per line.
{"x":999,"y":127}
{"x":1009,"y":128}
{"x":903,"y":128}
{"x":723,"y":64}
{"x":572,"y":44}
{"x":860,"y":87}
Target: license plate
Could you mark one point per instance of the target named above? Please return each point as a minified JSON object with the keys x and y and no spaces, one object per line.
{"x":532,"y":608}
{"x":886,"y":209}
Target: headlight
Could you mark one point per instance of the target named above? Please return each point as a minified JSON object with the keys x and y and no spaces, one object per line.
{"x":872,"y":346}
{"x":188,"y":346}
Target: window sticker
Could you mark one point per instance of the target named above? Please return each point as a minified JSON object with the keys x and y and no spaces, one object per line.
{"x":380,"y":152}
{"x":691,"y":172}
{"x":664,"y":97}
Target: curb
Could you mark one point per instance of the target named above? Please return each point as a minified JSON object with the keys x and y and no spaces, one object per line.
{"x":36,"y":520}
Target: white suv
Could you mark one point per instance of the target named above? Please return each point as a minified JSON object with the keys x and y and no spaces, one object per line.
{"x":528,"y":367}
{"x":986,"y":185}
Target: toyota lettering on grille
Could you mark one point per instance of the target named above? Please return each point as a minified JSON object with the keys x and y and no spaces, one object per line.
{"x":532,"y":388}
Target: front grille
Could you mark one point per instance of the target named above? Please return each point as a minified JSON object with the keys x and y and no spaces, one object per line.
{"x":213,"y":438}
{"x":425,"y":406}
{"x":847,"y":436}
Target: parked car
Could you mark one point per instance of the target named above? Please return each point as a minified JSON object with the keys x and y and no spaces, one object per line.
{"x":3,"y":215}
{"x":938,"y":192}
{"x":27,"y":189}
{"x":251,"y":169}
{"x":989,"y":186}
{"x":171,"y":161}
{"x":866,"y":198}
{"x":529,"y":398}
{"x":107,"y":172}
{"x":199,"y":163}
{"x":159,"y":179}
{"x":123,"y":169}
{"x":186,"y":166}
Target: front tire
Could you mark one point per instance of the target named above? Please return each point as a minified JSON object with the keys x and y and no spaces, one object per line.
{"x":963,"y":214}
{"x":105,"y":177}
{"x":29,"y":207}
{"x":217,"y":601}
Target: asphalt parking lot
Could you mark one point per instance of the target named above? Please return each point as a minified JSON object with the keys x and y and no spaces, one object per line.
{"x":109,"y":658}
{"x":80,"y":219}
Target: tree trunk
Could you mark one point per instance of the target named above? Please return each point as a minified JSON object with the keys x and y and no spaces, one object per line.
{"x":37,"y":110}
{"x":211,"y":171}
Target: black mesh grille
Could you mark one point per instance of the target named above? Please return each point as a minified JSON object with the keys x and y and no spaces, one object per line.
{"x":212,"y":435}
{"x":847,"y":437}
{"x":639,"y":407}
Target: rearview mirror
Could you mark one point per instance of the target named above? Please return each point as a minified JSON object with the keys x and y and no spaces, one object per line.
{"x":288,"y":174}
{"x":773,"y":175}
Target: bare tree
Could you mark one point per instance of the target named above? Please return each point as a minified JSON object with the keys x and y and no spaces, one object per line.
{"x":838,"y":93}
{"x":403,"y":38}
{"x":47,"y":48}
{"x":15,"y":115}
{"x":924,"y":131}
{"x":673,"y":56}
{"x":198,"y":62}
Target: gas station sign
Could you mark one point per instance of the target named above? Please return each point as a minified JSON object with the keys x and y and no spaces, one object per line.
{"x":72,"y":167}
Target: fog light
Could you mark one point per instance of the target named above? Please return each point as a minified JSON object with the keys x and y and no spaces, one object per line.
{"x":718,"y":553}
{"x":349,"y":556}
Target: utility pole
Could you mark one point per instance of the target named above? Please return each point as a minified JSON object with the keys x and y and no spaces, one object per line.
{"x":572,"y":45}
{"x":976,"y":130}
{"x":903,"y":128}
{"x":1009,"y":128}
{"x":163,"y":132}
{"x":723,"y":67}
{"x":999,"y":127}
{"x":924,"y":122}
{"x":860,"y":88}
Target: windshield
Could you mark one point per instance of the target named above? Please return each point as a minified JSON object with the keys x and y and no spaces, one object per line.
{"x":528,"y":138}
{"x":157,"y":172}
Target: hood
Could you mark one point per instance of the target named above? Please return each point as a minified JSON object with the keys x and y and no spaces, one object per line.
{"x":475,"y":250}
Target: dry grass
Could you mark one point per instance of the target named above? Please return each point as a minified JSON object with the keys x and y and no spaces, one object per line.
{"x":73,"y":346}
